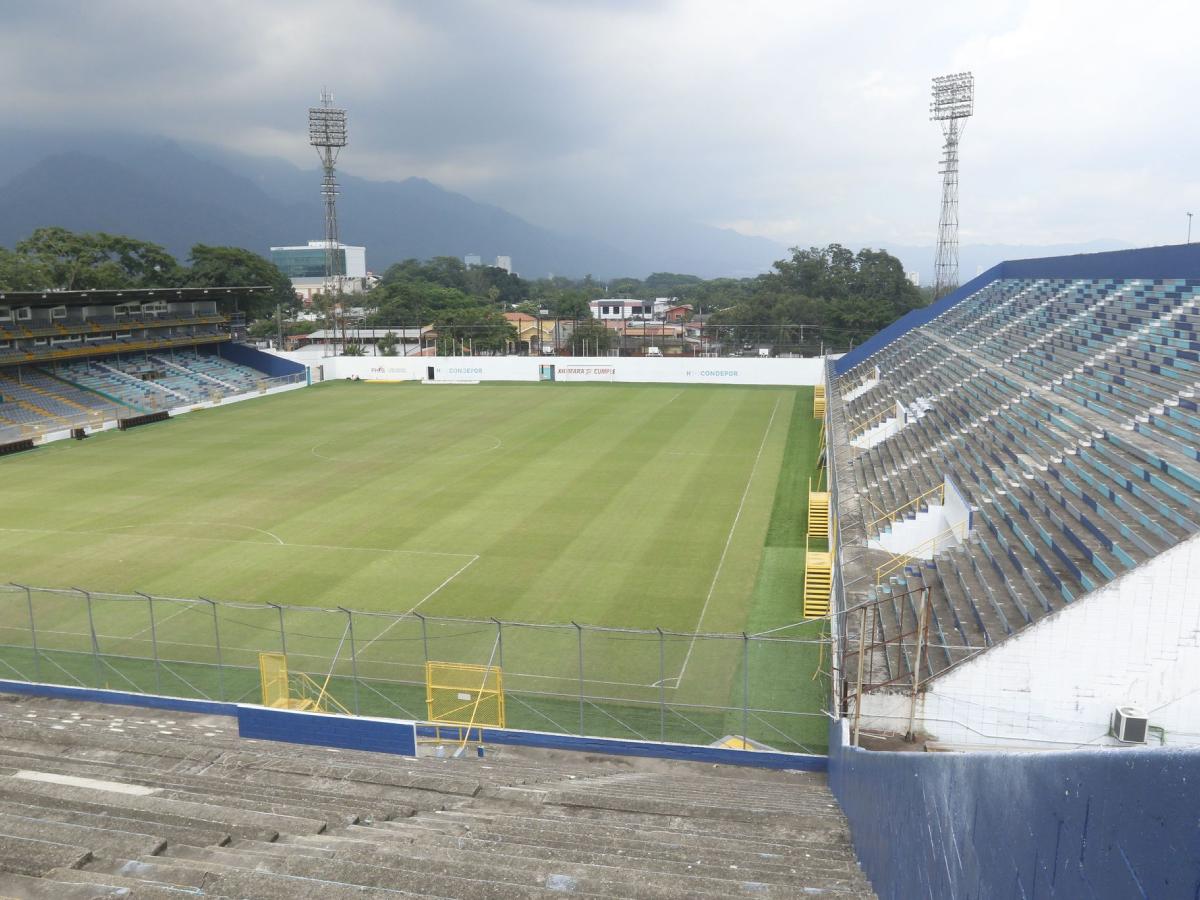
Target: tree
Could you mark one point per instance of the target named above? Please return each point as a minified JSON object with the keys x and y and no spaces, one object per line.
{"x":591,"y":336}
{"x":354,"y":350}
{"x":235,"y":267}
{"x":388,"y":344}
{"x":97,"y":261}
{"x":22,"y":273}
{"x":846,"y":296}
{"x":474,"y":329}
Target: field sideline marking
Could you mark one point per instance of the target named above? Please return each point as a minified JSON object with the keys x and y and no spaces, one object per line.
{"x":403,"y":616}
{"x":678,"y":679}
{"x":109,"y":533}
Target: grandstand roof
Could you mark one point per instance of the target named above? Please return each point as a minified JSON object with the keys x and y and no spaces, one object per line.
{"x":125,"y":295}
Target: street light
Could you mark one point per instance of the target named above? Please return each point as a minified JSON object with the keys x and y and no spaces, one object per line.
{"x":1189,"y":240}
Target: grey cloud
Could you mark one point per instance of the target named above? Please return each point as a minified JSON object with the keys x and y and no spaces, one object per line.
{"x":804,"y":122}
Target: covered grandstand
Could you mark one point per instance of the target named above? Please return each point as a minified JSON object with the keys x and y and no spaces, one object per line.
{"x":85,"y":359}
{"x":1016,"y":468}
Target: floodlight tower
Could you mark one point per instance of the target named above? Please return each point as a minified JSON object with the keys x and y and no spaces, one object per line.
{"x":953,"y":103}
{"x":327,"y":133}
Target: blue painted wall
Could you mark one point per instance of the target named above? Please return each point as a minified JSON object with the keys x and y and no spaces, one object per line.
{"x":124,"y":698}
{"x":1104,"y":824}
{"x":761,"y":759}
{"x":267,"y":363}
{"x":325,"y":730}
{"x":1177,"y":261}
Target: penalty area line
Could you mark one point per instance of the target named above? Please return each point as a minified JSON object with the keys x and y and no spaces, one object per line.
{"x":367,"y":646}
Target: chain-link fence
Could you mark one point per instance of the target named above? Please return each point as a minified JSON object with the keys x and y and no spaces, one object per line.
{"x":572,"y":679}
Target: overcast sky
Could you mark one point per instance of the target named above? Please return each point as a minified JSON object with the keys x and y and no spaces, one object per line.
{"x":803,"y":122}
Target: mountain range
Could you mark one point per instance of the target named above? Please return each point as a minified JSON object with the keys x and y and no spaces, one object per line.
{"x":178,"y":195}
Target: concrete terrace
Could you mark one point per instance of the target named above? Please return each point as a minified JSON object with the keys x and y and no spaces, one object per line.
{"x":105,"y":801}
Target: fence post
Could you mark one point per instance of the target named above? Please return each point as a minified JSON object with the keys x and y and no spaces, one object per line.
{"x":424,"y":635}
{"x":922,"y":624}
{"x":153,"y":643}
{"x":217,"y":642}
{"x":37,"y":665}
{"x":92,"y":630}
{"x":662,"y":686}
{"x":499,"y":644}
{"x":579,"y":633}
{"x":282,"y":630}
{"x":862,"y":652}
{"x":353,"y":656}
{"x":745,"y":690}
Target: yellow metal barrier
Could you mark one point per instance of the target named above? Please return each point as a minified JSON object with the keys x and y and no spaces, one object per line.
{"x":273,"y":676}
{"x":459,"y":694}
{"x":284,"y":690}
{"x":819,"y":401}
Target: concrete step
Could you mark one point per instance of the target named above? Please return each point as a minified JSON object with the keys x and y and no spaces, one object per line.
{"x":108,"y":841}
{"x":409,"y":865}
{"x":156,"y":830}
{"x":135,"y":888}
{"x":25,"y":887}
{"x":236,"y":822}
{"x":768,"y":863}
{"x":27,"y":856}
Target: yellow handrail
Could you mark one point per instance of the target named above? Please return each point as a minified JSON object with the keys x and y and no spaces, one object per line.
{"x":900,"y":560}
{"x":861,"y":427}
{"x":306,"y":686}
{"x":940,"y":490}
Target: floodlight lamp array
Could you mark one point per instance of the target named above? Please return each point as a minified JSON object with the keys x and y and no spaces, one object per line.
{"x":326,"y":126}
{"x":953,"y":97}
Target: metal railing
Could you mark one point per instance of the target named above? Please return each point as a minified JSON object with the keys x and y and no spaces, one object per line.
{"x":570,"y":678}
{"x":937,"y":490}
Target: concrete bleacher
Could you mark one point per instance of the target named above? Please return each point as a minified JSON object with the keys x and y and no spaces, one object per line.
{"x":152,"y":381}
{"x":1065,"y":410}
{"x":32,"y":399}
{"x":99,"y":801}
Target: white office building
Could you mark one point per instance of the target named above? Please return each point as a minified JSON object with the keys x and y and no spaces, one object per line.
{"x":305,"y":266}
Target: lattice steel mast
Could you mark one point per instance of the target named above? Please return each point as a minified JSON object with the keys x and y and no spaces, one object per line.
{"x":327,"y":133}
{"x":953,"y":103}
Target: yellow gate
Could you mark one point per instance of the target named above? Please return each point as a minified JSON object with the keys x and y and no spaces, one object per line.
{"x":458,"y":694}
{"x":273,"y":673}
{"x":282,"y":690}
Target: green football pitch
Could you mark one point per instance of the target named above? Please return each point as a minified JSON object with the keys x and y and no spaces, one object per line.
{"x":671,"y":507}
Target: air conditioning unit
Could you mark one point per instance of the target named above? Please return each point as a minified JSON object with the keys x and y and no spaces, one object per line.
{"x":1129,"y":725}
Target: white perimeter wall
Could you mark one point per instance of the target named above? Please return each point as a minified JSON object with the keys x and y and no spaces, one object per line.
{"x":1135,"y":641}
{"x":579,"y":368}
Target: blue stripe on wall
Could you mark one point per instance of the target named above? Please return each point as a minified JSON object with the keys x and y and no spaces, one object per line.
{"x":124,"y":698}
{"x":380,"y":735}
{"x":763,"y":759}
{"x":327,"y":730}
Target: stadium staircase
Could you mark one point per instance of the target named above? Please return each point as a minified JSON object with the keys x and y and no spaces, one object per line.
{"x":102,"y":801}
{"x":1066,"y":411}
{"x":818,"y":558}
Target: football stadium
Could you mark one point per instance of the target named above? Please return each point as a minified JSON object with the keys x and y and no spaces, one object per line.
{"x":723,"y":578}
{"x":950,"y":569}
